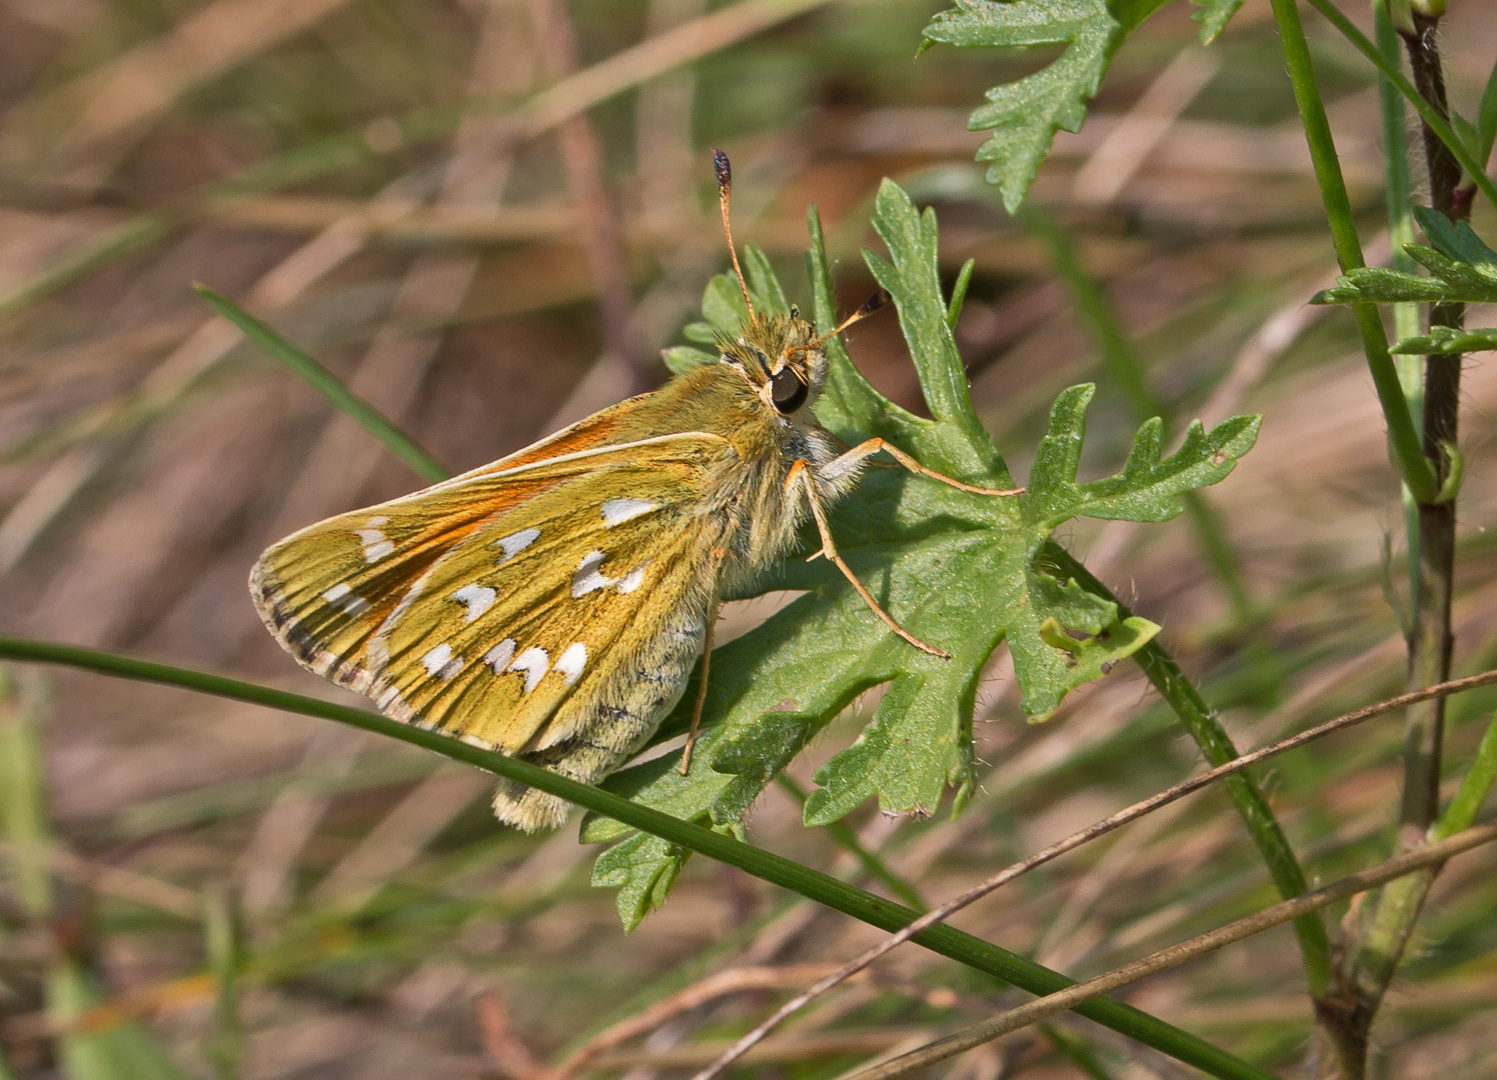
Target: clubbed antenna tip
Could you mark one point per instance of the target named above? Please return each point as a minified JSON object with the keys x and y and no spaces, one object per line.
{"x":724,"y":173}
{"x":873,"y":303}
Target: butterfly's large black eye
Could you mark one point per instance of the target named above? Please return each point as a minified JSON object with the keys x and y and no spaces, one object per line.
{"x":787,"y":391}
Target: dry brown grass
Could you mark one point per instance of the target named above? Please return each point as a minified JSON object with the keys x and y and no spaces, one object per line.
{"x":149,"y":456}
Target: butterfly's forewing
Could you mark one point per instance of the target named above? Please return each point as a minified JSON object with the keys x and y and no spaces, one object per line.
{"x":482,"y":605}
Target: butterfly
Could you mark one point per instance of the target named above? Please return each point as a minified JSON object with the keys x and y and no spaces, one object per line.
{"x":551,"y":605}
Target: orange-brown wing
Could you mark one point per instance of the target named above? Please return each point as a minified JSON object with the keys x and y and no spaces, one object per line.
{"x":479,"y":605}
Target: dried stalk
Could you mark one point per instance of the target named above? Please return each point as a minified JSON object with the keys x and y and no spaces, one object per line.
{"x":1071,"y":843}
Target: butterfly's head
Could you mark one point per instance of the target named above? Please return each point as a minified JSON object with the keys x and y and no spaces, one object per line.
{"x":781,"y":358}
{"x":780,"y":355}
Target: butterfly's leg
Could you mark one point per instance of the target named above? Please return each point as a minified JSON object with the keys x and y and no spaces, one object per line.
{"x":845,"y":463}
{"x":696,"y":710}
{"x":800,"y":476}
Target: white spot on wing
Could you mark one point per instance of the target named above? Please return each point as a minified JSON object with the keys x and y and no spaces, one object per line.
{"x":343,"y":598}
{"x":515,"y":543}
{"x":375,"y":522}
{"x":376,"y":547}
{"x":572,"y":660}
{"x":533,"y":662}
{"x":634,"y":578}
{"x":479,"y":599}
{"x":587,"y":579}
{"x":441,"y":662}
{"x":618,"y":511}
{"x":499,"y":656}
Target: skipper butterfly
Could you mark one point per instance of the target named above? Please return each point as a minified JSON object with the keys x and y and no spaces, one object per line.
{"x":551,"y":605}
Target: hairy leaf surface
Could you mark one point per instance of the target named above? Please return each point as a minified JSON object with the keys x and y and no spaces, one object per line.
{"x":1025,"y":115}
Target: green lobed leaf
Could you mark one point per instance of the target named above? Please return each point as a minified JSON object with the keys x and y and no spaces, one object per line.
{"x":1025,"y":115}
{"x":722,"y":304}
{"x":1213,"y":15}
{"x":1456,"y":240}
{"x":1447,"y":339}
{"x":961,"y":571}
{"x":1462,"y":269}
{"x":642,"y":868}
{"x":954,"y":442}
{"x":764,"y":287}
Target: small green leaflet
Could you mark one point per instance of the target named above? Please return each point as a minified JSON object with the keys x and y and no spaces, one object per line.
{"x":1462,"y":270}
{"x":1213,"y":15}
{"x":1025,"y":115}
{"x":963,"y":572}
{"x":1447,"y":339}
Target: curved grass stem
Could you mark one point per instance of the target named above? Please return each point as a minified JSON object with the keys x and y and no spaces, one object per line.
{"x":329,"y":386}
{"x":838,"y":895}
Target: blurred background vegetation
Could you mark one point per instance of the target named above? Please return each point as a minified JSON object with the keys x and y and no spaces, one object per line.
{"x":489,"y":216}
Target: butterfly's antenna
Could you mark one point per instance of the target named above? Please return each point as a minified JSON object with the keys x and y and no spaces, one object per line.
{"x":872,"y":304}
{"x":724,"y":189}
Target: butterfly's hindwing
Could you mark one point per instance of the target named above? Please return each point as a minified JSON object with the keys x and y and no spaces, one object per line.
{"x":484,"y":606}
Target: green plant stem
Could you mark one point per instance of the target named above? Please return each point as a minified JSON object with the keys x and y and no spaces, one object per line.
{"x":1346,"y":1019}
{"x":876,"y":911}
{"x":1217,"y":748}
{"x":1401,"y":901}
{"x":1431,"y":640}
{"x":1433,"y":118}
{"x":1398,"y":195}
{"x":1398,"y":907}
{"x":842,"y":834}
{"x":329,"y":386}
{"x":1402,"y":435}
